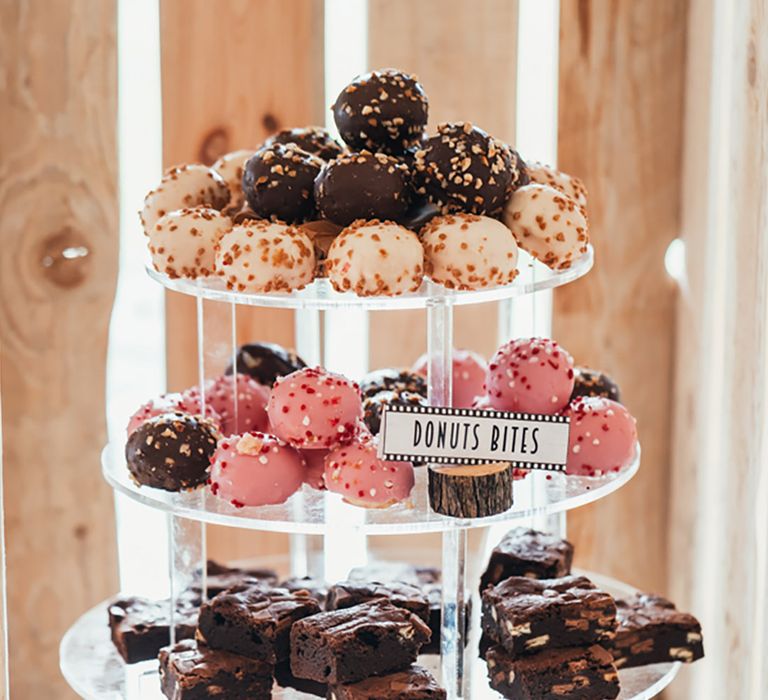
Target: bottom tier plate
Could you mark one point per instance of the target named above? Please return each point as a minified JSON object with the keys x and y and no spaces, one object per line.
{"x":95,"y":670}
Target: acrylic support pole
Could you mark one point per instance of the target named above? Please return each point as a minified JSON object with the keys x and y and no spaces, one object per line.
{"x":453,"y":626}
{"x":307,"y":550}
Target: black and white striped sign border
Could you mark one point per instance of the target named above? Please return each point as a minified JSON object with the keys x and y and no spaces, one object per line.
{"x":474,"y":413}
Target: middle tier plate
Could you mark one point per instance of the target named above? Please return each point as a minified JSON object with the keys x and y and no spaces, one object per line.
{"x":310,"y":511}
{"x":534,"y":277}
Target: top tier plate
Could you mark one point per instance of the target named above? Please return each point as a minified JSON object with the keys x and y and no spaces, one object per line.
{"x":533,"y":277}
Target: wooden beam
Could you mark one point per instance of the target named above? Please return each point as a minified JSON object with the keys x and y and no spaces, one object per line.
{"x":58,"y":267}
{"x":718,"y":550}
{"x":233,"y":73}
{"x":465,"y":55}
{"x":622,"y":67}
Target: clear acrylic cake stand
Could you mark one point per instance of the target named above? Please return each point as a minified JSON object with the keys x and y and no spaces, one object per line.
{"x":88,"y":660}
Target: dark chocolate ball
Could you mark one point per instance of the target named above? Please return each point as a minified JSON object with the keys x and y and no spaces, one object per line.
{"x":278,"y":182}
{"x":312,"y":139}
{"x":363,"y":186}
{"x":462,"y":168}
{"x":389,"y":379}
{"x":171,"y":451}
{"x":373,"y":406}
{"x":384,"y":110}
{"x":591,"y":382}
{"x":265,"y":362}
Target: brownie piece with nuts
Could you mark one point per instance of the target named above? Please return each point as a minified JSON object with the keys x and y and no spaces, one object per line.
{"x":526,"y":616}
{"x":652,"y":630}
{"x":253,"y":621}
{"x":404,"y":595}
{"x":415,"y":683}
{"x":344,"y":646}
{"x":192,"y":671}
{"x":582,"y":673}
{"x":526,"y":552}
{"x":140,"y":627}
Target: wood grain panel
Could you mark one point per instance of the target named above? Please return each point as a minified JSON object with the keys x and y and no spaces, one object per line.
{"x":622,"y":68}
{"x":465,"y":55}
{"x":233,"y":73}
{"x":718,"y":548}
{"x":58,"y":266}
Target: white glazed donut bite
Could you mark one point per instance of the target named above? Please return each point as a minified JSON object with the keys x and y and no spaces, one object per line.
{"x":468,"y":251}
{"x":547,"y":224}
{"x":375,"y":258}
{"x":230,"y":168}
{"x":182,"y":242}
{"x":265,"y":256}
{"x":541,"y":174}
{"x":184,"y":186}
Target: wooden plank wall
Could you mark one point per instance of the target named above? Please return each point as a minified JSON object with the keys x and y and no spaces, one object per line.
{"x":457,"y":49}
{"x":718,"y":546}
{"x":620,"y":129}
{"x":58,"y":192}
{"x":233,"y":73}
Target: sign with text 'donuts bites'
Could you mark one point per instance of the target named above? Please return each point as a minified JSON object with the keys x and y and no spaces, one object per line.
{"x":474,"y":436}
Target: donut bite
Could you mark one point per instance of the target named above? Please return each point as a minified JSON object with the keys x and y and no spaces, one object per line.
{"x":384,"y":110}
{"x":464,"y":169}
{"x":264,"y":256}
{"x":184,"y":187}
{"x":467,"y":251}
{"x":312,"y":139}
{"x":375,"y":258}
{"x":362,"y":185}
{"x":548,"y":224}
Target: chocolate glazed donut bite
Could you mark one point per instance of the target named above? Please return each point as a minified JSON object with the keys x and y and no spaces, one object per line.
{"x":385,"y":110}
{"x":278,"y":182}
{"x":462,"y":168}
{"x":363,"y":185}
{"x":312,"y":139}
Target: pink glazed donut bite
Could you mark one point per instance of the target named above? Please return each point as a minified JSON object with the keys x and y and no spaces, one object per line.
{"x":251,"y":398}
{"x":314,"y":460}
{"x":469,"y":370}
{"x":315,"y":409}
{"x":530,"y":375}
{"x":171,"y":403}
{"x":255,"y":469}
{"x":356,"y":472}
{"x":603,"y":437}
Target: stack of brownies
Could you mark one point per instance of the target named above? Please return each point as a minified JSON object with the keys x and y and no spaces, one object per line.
{"x":547,"y":633}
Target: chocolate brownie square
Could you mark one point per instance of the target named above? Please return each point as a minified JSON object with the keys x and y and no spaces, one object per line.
{"x":581,"y":673}
{"x":404,"y":595}
{"x":415,"y":683}
{"x":652,"y":630}
{"x":386,"y":571}
{"x":254,"y":622}
{"x":192,"y":671}
{"x":285,"y":679}
{"x":140,"y":627}
{"x":526,"y":615}
{"x":317,"y":589}
{"x":526,"y":552}
{"x":344,"y":646}
{"x":221,"y":577}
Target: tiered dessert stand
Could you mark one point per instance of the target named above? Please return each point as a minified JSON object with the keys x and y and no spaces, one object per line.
{"x":89,"y":661}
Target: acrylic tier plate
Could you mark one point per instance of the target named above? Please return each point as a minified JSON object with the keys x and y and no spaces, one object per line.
{"x":533,"y":277}
{"x":311,"y":512}
{"x":95,"y":671}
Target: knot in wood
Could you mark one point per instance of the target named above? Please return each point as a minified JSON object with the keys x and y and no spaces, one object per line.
{"x":65,"y":258}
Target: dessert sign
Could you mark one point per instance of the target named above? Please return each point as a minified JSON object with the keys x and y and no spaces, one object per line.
{"x":474,"y":436}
